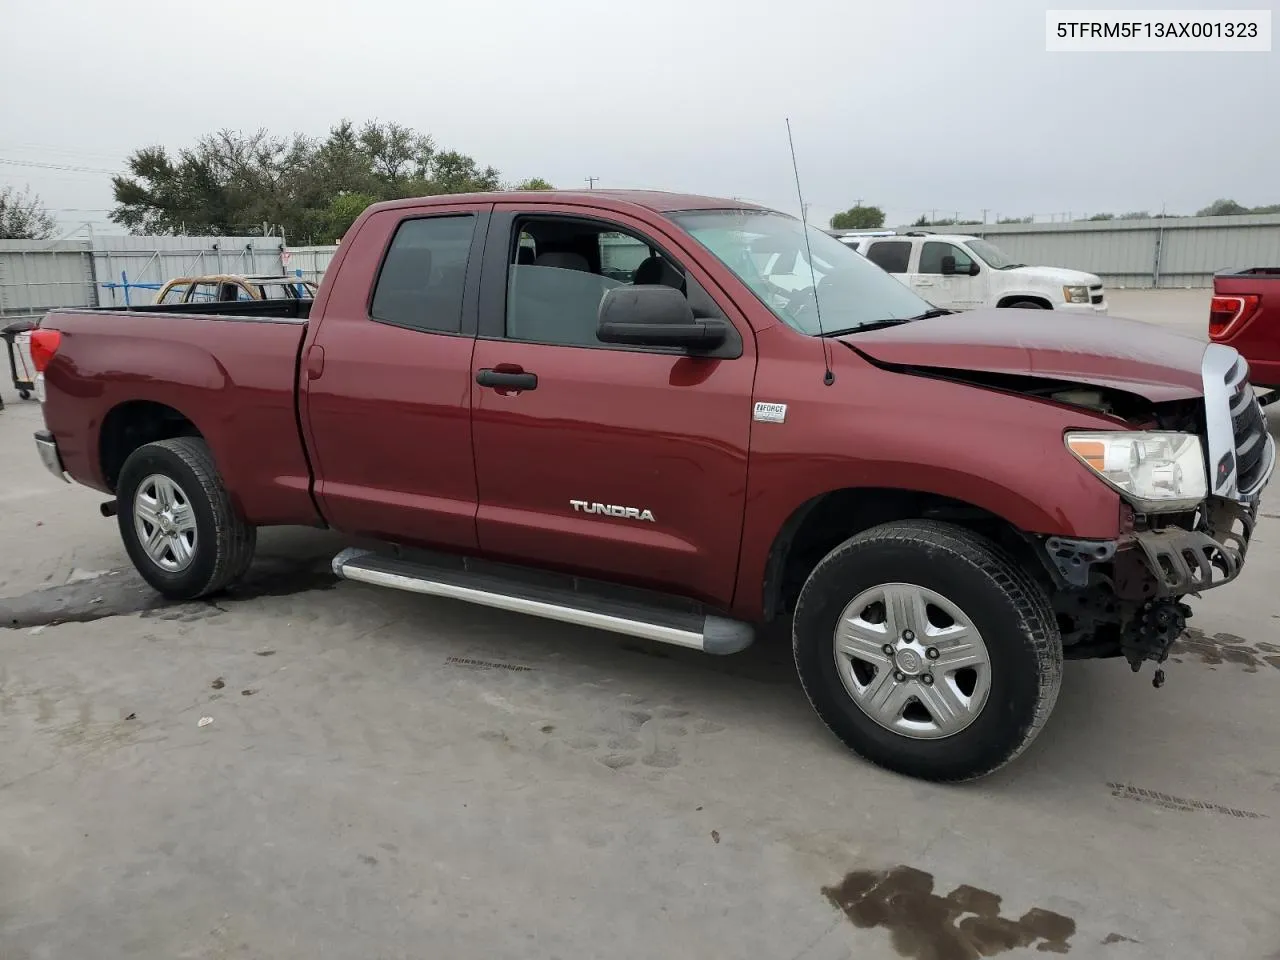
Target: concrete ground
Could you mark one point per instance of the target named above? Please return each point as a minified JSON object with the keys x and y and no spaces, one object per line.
{"x":390,"y":776}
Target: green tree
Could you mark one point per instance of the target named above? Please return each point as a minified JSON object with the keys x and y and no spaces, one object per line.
{"x":533,"y":183}
{"x":343,"y":211}
{"x":1103,"y":216}
{"x":858,"y":218}
{"x":23,"y":216}
{"x":1223,"y":208}
{"x":312,"y":189}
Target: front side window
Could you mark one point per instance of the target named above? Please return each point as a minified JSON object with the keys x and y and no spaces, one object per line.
{"x":175,"y":293}
{"x":804,"y":277}
{"x":423,"y":276}
{"x":933,"y":251}
{"x":560,"y":269}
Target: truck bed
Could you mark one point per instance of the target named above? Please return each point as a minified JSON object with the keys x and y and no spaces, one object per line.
{"x":225,"y":370}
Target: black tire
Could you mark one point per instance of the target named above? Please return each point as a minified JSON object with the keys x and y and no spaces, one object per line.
{"x":24,"y":394}
{"x":224,"y":542}
{"x":1007,"y":607}
{"x":1026,"y":305}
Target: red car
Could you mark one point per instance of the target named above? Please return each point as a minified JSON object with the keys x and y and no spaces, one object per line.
{"x":1245,"y":314}
{"x":600,"y":408}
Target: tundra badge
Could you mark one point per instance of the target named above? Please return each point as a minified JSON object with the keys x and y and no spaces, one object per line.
{"x":770,"y":413}
{"x":611,"y":510}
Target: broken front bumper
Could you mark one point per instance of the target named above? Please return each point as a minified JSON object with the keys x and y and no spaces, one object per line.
{"x":1169,"y":562}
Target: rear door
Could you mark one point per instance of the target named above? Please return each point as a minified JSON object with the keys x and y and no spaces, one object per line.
{"x":891,"y":256}
{"x":386,"y":379}
{"x":613,"y":462}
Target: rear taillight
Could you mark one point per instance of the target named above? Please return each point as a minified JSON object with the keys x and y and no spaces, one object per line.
{"x":1227,"y":312}
{"x":44,"y":344}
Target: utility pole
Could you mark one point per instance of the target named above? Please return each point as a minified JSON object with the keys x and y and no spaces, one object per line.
{"x":591,"y":182}
{"x":984,"y":216}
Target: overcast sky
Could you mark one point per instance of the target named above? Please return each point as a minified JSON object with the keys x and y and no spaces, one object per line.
{"x":914,"y":105}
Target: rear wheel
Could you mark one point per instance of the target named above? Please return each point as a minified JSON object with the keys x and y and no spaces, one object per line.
{"x":927,"y":650}
{"x":177,"y":521}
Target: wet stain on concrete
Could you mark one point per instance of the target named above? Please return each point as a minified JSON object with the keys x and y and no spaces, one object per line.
{"x":1227,"y":648}
{"x":123,"y":593}
{"x":966,"y":924}
{"x":1117,"y":938}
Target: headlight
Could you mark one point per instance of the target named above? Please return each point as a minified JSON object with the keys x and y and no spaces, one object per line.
{"x":1156,"y":472}
{"x":1075,"y":294}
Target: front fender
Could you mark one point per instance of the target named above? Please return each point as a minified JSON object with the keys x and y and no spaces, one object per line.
{"x":878,"y":429}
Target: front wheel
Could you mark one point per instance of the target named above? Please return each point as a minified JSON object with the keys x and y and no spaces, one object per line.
{"x":927,"y":650}
{"x":177,"y":521}
{"x":1026,"y":305}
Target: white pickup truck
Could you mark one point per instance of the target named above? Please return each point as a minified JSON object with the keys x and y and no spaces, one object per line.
{"x":961,"y":272}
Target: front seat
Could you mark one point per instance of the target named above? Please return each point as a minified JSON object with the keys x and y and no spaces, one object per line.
{"x":655,"y":271}
{"x":564,"y":260}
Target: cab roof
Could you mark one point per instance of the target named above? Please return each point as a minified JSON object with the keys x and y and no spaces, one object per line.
{"x":659,"y":201}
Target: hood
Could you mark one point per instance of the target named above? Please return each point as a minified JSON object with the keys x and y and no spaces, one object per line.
{"x":1055,"y":275}
{"x":1100,"y":351}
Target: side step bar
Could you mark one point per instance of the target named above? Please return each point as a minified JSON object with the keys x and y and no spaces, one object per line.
{"x":571,"y":600}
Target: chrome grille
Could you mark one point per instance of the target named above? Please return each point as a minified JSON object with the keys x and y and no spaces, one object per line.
{"x":1249,"y":429}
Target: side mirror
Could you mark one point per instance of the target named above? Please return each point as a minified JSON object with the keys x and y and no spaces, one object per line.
{"x":973,"y":268}
{"x":655,"y":316}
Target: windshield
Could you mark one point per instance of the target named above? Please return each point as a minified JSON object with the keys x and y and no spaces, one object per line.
{"x":767,"y":252}
{"x":992,"y":255}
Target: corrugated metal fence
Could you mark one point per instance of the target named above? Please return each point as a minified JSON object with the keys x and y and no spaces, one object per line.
{"x":114,"y":271}
{"x":1162,"y":252}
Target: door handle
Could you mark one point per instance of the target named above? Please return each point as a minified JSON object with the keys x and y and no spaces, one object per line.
{"x":507,"y":379}
{"x":315,"y":362}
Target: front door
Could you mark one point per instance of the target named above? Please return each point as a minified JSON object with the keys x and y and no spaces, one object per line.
{"x":958,"y":290}
{"x":612,"y":462}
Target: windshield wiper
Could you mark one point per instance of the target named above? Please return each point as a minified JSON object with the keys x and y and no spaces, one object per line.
{"x":888,"y":322}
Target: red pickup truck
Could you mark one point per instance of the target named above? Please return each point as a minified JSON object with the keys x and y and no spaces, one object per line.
{"x":600,"y":408}
{"x":1245,"y":314}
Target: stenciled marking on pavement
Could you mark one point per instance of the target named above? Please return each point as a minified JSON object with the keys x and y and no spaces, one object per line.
{"x":1126,"y":791}
{"x":963,"y":925}
{"x":1223,"y":648}
{"x":471,"y":664}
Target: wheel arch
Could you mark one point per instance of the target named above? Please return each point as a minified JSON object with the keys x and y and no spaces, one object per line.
{"x":822,"y":522}
{"x":133,"y":423}
{"x":1012,"y":298}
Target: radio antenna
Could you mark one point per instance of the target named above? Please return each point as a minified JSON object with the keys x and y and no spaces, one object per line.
{"x":827,"y":377}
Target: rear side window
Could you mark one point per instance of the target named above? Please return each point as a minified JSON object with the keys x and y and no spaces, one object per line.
{"x":422,"y":278}
{"x":891,"y":256}
{"x":204,"y":293}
